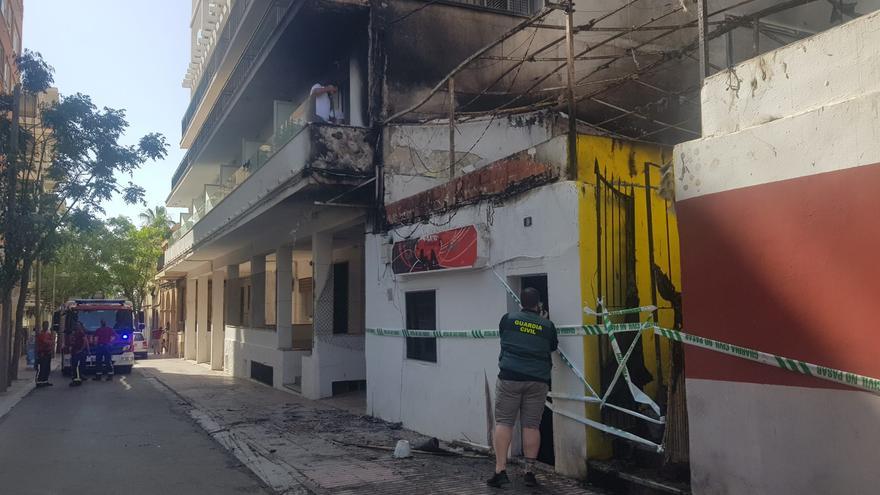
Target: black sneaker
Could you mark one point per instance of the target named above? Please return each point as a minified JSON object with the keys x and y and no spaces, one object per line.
{"x":109,"y":378}
{"x":530,"y":480}
{"x":96,"y":378}
{"x":498,"y":480}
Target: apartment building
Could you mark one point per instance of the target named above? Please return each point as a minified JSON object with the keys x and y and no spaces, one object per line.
{"x":12,"y":13}
{"x":455,"y":155}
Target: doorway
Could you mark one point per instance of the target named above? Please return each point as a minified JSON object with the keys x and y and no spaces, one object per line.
{"x":538,"y":282}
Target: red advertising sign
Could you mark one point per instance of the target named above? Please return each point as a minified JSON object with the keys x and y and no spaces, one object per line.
{"x":456,"y":248}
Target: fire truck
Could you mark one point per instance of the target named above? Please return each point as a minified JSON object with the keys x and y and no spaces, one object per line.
{"x":118,"y":314}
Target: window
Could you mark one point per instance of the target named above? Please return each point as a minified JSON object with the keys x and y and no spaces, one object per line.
{"x":340,"y":297}
{"x":306,"y":303}
{"x":262,"y":373}
{"x":421,"y":314}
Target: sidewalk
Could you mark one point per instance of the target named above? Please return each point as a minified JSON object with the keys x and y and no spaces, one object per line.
{"x":300,"y":446}
{"x":25,"y":383}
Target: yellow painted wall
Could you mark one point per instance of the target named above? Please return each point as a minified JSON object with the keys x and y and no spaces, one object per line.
{"x":626,"y":162}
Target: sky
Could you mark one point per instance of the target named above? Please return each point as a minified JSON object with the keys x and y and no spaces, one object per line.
{"x":125,"y":54}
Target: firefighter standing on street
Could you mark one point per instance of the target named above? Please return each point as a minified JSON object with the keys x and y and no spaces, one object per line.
{"x":45,"y":348}
{"x":79,"y":349}
{"x":104,"y":337}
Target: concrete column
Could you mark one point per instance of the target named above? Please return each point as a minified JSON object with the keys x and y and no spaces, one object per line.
{"x":179,"y":317}
{"x":284,"y":296}
{"x":322,"y":261}
{"x":173,"y":347}
{"x":218,"y":326}
{"x":189,"y":329}
{"x":170,"y":319}
{"x":313,"y":386}
{"x":258,"y":291}
{"x":356,"y":87}
{"x":233,"y":296}
{"x":203,"y":337}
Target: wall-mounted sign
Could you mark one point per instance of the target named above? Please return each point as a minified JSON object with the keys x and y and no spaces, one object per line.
{"x":456,"y":248}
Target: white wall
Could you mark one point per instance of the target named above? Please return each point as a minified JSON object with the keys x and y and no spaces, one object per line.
{"x":334,"y":358}
{"x":243,"y":345}
{"x":447,"y":399}
{"x":339,"y":357}
{"x":821,"y":70}
{"x":782,"y":440}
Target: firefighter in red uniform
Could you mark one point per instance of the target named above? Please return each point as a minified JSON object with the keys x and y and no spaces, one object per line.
{"x":104,"y":337}
{"x":45,"y":349}
{"x":79,"y":349}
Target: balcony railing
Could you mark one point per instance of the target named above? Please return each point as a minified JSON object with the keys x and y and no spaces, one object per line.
{"x":234,"y":85}
{"x":236,"y":15}
{"x":290,"y":127}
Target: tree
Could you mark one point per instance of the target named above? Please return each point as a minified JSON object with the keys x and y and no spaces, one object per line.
{"x":79,"y":267}
{"x":133,"y":257}
{"x":57,"y":172}
{"x":158,"y":217}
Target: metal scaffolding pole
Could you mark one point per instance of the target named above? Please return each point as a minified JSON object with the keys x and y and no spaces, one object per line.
{"x":572,"y":104}
{"x":451,"y":128}
{"x":703,"y":36}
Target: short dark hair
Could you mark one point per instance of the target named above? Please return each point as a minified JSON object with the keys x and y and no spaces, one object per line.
{"x":531,"y":298}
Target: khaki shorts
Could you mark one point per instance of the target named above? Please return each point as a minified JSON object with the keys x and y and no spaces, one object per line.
{"x":525,"y":398}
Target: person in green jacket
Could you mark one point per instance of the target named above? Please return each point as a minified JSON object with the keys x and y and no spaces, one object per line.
{"x":527,"y":340}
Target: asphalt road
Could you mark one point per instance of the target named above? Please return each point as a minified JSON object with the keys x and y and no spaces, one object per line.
{"x":124,"y":437}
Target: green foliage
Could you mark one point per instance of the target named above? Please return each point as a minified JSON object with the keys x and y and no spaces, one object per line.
{"x":115,"y":258}
{"x":67,"y":164}
{"x":36,"y":75}
{"x":133,"y":255}
{"x":158,"y":217}
{"x":80,"y":265}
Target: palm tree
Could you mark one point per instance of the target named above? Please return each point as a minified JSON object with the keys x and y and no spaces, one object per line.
{"x":158,"y":217}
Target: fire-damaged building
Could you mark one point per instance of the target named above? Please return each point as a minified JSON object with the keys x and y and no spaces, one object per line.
{"x":359,"y":173}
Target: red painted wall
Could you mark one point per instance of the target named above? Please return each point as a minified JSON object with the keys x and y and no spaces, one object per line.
{"x":799,"y":264}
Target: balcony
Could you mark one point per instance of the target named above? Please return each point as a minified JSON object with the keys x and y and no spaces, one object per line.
{"x":296,"y":153}
{"x":265,"y":60}
{"x":231,"y":177}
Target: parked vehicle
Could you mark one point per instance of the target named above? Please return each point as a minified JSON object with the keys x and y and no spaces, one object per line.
{"x":139,"y":345}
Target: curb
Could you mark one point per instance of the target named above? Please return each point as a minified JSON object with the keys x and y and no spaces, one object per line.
{"x":277,"y":477}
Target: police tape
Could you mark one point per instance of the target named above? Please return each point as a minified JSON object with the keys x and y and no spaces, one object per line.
{"x":603,"y":427}
{"x":855,"y":380}
{"x":637,"y":394}
{"x":562,"y":331}
{"x":850,"y":379}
